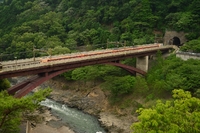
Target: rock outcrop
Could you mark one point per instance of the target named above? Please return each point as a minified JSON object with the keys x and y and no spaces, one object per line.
{"x":93,"y":101}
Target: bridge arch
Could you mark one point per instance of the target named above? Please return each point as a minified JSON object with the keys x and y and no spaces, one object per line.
{"x":50,"y":69}
{"x":25,"y":87}
{"x":131,"y":69}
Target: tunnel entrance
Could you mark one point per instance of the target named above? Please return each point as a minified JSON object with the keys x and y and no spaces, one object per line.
{"x":176,"y":41}
{"x":174,"y":38}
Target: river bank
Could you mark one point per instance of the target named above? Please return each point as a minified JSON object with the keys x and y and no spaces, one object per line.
{"x":92,"y":101}
{"x":49,"y":123}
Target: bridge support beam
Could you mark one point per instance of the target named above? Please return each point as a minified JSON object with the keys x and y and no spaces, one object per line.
{"x":142,"y":63}
{"x":131,"y":69}
{"x":27,"y":86}
{"x":17,"y":87}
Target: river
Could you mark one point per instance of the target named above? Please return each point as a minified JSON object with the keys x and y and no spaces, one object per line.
{"x":78,"y":121}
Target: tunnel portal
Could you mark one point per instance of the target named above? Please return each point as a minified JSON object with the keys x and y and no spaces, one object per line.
{"x":176,"y":41}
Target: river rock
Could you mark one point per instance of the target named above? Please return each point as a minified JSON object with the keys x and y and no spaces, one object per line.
{"x":93,"y":101}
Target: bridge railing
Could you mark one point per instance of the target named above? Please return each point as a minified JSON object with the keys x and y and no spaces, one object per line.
{"x":95,"y":54}
{"x":19,"y":65}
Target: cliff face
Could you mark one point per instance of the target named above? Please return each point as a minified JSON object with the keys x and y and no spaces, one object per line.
{"x":93,"y":101}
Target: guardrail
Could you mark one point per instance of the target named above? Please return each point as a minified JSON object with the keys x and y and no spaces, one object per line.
{"x":187,"y":55}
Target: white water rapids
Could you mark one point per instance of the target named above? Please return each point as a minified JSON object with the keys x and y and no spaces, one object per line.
{"x":78,"y":121}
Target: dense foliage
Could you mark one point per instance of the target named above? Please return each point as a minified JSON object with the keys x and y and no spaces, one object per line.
{"x":26,"y":25}
{"x":46,"y":27}
{"x":53,"y":27}
{"x":12,"y":109}
{"x":192,"y":46}
{"x":173,"y":73}
{"x":120,"y":85}
{"x":164,"y":76}
{"x":4,"y":84}
{"x":180,"y":115}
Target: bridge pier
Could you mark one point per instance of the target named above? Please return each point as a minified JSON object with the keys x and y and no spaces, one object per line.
{"x":58,"y":65}
{"x":142,"y":63}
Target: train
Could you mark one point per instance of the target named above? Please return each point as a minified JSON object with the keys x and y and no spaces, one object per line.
{"x":100,"y":52}
{"x":85,"y":54}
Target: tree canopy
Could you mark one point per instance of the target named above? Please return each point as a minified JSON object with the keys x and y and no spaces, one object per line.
{"x":4,"y":84}
{"x":173,"y":73}
{"x":12,"y":109}
{"x":180,"y":115}
{"x":48,"y":24}
{"x":49,"y":27}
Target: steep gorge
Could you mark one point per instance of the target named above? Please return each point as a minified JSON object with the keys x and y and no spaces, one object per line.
{"x":93,"y":101}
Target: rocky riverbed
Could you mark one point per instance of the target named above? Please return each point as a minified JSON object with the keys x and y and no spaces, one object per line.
{"x":91,"y":100}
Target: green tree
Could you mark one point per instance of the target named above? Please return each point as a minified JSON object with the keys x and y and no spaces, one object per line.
{"x":180,"y":21}
{"x":4,"y":84}
{"x":12,"y":109}
{"x":141,"y":14}
{"x":120,"y":85}
{"x":192,"y":46}
{"x":180,"y":115}
{"x":86,"y":73}
{"x":141,"y":87}
{"x":173,"y":73}
{"x":60,"y":50}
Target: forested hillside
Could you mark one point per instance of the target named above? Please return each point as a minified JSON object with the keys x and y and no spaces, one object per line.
{"x":63,"y":25}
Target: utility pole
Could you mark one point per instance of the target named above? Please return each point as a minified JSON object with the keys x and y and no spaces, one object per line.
{"x":107,"y":44}
{"x":33,"y":53}
{"x":15,"y":62}
{"x":49,"y":52}
{"x":1,"y":57}
{"x":125,"y":43}
{"x":0,"y":62}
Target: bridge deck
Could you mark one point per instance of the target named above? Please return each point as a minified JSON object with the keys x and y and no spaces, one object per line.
{"x":21,"y":67}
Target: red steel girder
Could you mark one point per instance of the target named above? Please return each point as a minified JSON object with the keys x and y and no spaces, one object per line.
{"x":128,"y":68}
{"x":71,"y":65}
{"x":26,"y":86}
{"x":36,"y":82}
{"x":12,"y":90}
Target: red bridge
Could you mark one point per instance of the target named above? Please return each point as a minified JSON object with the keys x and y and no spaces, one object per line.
{"x":48,"y":67}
